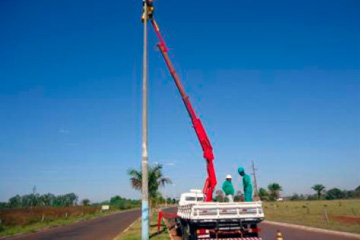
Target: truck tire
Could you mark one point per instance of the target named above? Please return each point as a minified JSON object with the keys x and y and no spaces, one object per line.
{"x":178,"y":231}
{"x":178,"y":227}
{"x":184,"y":232}
{"x":188,"y":232}
{"x":193,"y":234}
{"x":253,"y":234}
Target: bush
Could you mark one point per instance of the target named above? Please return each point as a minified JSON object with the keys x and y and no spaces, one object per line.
{"x":1,"y":226}
{"x":334,"y":193}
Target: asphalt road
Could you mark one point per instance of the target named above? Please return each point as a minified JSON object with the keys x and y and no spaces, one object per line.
{"x":268,"y":232}
{"x":103,"y":228}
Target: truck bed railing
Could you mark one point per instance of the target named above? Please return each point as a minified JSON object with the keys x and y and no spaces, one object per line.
{"x":214,"y":210}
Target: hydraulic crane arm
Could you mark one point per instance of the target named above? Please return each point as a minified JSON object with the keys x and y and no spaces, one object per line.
{"x":198,"y":126}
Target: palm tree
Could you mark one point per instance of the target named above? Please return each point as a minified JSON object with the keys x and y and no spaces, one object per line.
{"x":274,"y":189}
{"x":156,"y":179}
{"x":85,"y":202}
{"x":319,"y":188}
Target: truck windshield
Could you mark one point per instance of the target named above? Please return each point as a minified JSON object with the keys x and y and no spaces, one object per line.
{"x":194,"y":199}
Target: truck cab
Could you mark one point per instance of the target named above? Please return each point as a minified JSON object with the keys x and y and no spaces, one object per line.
{"x":192,"y":197}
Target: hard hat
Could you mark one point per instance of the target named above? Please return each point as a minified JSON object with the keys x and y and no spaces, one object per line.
{"x":241,"y":169}
{"x":228,"y":176}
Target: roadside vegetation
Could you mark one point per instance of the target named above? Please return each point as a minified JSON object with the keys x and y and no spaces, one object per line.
{"x":340,"y":215}
{"x":320,"y":193}
{"x":134,"y":232}
{"x":273,"y":193}
{"x":29,"y":213}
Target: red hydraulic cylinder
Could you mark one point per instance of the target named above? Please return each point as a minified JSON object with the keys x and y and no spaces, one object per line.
{"x":198,"y":126}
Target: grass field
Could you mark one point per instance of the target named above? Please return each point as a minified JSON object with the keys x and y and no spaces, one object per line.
{"x":340,"y":215}
{"x":134,"y":233}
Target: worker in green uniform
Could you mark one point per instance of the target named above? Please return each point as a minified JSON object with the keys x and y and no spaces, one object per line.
{"x":228,"y":188}
{"x":248,"y":189}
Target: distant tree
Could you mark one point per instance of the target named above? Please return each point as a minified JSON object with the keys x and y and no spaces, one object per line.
{"x":47,"y":199}
{"x":85,"y":202}
{"x":58,"y":201}
{"x":4,"y":205}
{"x":123,"y":203}
{"x":357,"y":192}
{"x":263,"y":194}
{"x":71,"y":199}
{"x":334,"y":193}
{"x":312,"y":197}
{"x":115,"y":200}
{"x":156,"y":180}
{"x":274,"y":189}
{"x":15,"y":202}
{"x":295,"y":197}
{"x":319,"y":189}
{"x":66,"y":200}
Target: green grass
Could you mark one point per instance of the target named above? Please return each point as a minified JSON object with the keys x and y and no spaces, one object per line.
{"x":134,"y":233}
{"x":312,"y":213}
{"x":12,"y":230}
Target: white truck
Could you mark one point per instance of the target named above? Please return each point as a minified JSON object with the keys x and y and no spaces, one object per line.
{"x":197,"y":219}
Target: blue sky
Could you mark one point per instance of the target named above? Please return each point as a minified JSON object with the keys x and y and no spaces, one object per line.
{"x":275,"y":82}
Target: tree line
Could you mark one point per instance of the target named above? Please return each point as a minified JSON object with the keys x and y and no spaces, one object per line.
{"x":273,"y":193}
{"x":38,"y":200}
{"x":123,"y":203}
{"x":65,"y":200}
{"x":321,"y":193}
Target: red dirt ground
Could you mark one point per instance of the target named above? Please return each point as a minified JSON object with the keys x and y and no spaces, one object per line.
{"x":346,"y":219}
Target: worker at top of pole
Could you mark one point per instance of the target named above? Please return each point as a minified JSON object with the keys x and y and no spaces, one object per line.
{"x":248,"y":189}
{"x":150,"y":10}
{"x":228,"y":188}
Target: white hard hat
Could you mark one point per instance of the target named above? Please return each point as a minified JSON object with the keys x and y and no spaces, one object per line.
{"x":228,"y":176}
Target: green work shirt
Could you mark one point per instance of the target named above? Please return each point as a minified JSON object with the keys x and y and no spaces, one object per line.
{"x":228,"y":188}
{"x":247,"y":183}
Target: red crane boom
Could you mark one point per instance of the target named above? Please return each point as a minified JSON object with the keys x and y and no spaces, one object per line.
{"x":198,"y":126}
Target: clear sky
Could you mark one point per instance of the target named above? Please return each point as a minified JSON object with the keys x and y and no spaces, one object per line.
{"x":277,"y":82}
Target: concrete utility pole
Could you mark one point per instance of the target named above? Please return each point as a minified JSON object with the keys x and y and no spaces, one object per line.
{"x":145,"y":156}
{"x":255,"y":182}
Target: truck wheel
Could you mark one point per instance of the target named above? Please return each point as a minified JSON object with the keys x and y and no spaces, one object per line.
{"x":184,"y":232}
{"x":193,"y":234}
{"x":253,"y":234}
{"x":178,"y":227}
{"x":178,"y":231}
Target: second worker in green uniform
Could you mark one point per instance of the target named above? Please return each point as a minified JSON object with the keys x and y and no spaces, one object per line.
{"x":248,"y":189}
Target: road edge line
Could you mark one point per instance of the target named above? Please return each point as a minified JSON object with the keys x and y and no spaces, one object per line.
{"x":127,"y":229}
{"x":313,"y":229}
